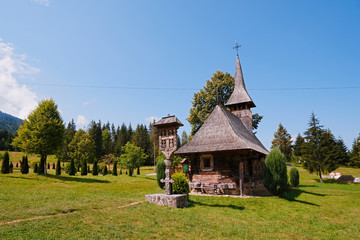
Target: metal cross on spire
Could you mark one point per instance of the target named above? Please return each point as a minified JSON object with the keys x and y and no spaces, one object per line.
{"x":237,"y":48}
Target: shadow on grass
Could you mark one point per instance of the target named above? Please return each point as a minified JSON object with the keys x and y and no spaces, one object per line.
{"x":301,"y":185}
{"x":76,"y":179}
{"x":294,"y":193}
{"x":192,"y":203}
{"x":150,"y":178}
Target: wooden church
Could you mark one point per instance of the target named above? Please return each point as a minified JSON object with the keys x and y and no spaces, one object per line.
{"x":225,"y":157}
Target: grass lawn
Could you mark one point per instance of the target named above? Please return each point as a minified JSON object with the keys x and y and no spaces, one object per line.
{"x":99,"y":207}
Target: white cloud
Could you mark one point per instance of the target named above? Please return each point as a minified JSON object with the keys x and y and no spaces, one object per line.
{"x":81,"y":121}
{"x":151,"y":119}
{"x":15,"y":99}
{"x":46,"y":3}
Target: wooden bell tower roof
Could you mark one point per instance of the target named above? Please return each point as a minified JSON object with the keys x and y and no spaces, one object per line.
{"x":240,"y":94}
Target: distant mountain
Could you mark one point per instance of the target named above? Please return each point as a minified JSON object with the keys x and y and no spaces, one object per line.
{"x":9,"y":122}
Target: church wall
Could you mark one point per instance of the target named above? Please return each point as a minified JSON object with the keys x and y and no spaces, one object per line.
{"x":224,"y":174}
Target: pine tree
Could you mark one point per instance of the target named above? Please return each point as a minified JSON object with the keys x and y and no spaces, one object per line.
{"x":72,"y":170}
{"x":36,"y":168}
{"x":5,"y":167}
{"x":282,"y":140}
{"x":114,"y":172}
{"x":95,"y":171}
{"x":58,"y":168}
{"x":84,"y":168}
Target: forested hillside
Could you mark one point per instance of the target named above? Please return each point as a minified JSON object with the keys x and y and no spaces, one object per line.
{"x":10,"y":123}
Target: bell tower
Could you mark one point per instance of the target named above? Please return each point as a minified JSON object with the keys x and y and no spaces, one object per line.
{"x":240,"y":102}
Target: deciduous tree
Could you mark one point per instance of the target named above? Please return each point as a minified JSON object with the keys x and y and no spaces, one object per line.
{"x":42,"y":132}
{"x":132,"y":158}
{"x":216,"y":91}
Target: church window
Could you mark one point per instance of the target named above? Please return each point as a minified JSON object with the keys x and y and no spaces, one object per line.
{"x":206,"y":162}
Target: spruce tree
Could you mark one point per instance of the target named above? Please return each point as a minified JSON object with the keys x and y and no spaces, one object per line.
{"x":297,"y":145}
{"x":114,"y":172}
{"x":84,"y":168}
{"x":72,"y":170}
{"x":320,"y":151}
{"x":95,"y":171}
{"x":36,"y":168}
{"x":58,"y":168}
{"x":5,"y":167}
{"x":282,"y":140}
{"x":355,"y":153}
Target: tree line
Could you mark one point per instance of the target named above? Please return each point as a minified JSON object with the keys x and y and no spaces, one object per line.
{"x":318,"y":150}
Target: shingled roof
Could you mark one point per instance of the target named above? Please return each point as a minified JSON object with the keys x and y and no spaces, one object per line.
{"x":240,"y":94}
{"x":169,"y":120}
{"x":222,"y":131}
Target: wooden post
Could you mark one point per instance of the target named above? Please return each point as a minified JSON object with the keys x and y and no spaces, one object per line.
{"x":241,"y":177}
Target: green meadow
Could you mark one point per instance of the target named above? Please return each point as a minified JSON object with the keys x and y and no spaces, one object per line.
{"x":113,"y":207}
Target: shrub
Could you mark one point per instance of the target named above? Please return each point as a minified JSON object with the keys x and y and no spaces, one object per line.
{"x":138,"y":171}
{"x":17,"y":164}
{"x":126,"y":173}
{"x":48,"y":167}
{"x":160,"y":172}
{"x":114,"y":172}
{"x":11,"y":166}
{"x":5,"y":167}
{"x":95,"y":171}
{"x":41,"y":168}
{"x":53,"y":166}
{"x":84,"y":168}
{"x":58,"y":168}
{"x":294,"y":177}
{"x":105,"y":171}
{"x":181,"y":185}
{"x":275,"y":173}
{"x":36,"y":168}
{"x":24,"y":165}
{"x":72,"y":169}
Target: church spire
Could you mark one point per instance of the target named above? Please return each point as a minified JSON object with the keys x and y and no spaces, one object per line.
{"x":240,"y":94}
{"x":240,"y":101}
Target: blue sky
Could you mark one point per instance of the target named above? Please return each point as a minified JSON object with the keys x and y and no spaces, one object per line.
{"x":93,"y":58}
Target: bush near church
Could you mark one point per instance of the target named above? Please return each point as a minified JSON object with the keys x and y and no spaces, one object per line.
{"x":294,"y":177}
{"x":181,"y":185}
{"x":275,"y":173}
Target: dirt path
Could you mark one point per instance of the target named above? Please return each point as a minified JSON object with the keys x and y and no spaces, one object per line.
{"x":64,"y":213}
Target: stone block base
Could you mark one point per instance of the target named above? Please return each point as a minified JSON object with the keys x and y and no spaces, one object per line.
{"x":174,"y":200}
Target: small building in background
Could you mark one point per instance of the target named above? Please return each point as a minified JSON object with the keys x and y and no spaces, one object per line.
{"x":225,"y":157}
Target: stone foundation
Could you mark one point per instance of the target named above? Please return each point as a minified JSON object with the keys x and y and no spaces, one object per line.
{"x":174,"y":200}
